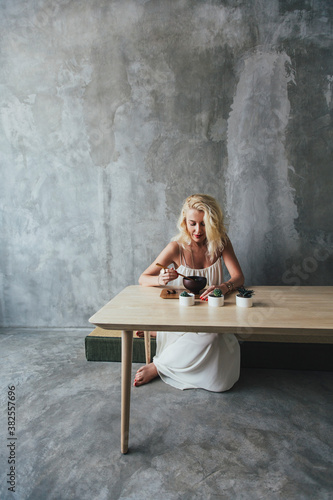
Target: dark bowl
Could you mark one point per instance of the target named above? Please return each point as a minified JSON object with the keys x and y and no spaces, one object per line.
{"x":195,"y":286}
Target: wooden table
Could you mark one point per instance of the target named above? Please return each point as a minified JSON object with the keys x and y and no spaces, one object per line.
{"x":290,"y":314}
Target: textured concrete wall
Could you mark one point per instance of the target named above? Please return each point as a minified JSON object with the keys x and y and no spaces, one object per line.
{"x":112,"y":112}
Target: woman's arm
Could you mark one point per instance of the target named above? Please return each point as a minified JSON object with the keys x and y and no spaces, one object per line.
{"x":236,"y":274}
{"x":152,"y":277}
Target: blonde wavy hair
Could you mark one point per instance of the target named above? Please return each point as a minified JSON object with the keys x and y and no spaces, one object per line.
{"x":215,"y":230}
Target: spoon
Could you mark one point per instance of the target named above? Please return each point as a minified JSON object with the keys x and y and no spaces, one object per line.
{"x":187,"y":277}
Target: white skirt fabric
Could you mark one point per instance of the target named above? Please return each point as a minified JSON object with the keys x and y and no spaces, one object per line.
{"x":190,"y":360}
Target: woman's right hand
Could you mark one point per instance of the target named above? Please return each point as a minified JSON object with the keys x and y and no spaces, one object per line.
{"x":168,"y":257}
{"x":167,"y":275}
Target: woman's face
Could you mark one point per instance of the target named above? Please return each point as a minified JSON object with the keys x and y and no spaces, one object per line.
{"x":195,"y":225}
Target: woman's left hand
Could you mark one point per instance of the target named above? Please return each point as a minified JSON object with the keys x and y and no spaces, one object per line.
{"x":208,"y":291}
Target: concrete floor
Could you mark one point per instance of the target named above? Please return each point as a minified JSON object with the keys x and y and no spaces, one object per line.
{"x":268,"y":438}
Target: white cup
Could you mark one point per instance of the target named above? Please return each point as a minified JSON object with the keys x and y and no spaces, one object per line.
{"x":187,"y":301}
{"x":244,"y":301}
{"x":216,"y":301}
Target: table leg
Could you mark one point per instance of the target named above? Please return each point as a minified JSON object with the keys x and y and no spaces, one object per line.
{"x":147,"y":347}
{"x":126,"y":373}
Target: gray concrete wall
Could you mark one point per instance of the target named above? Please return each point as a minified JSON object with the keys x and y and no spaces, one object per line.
{"x":112,"y":112}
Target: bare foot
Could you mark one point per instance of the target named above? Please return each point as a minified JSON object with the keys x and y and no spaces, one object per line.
{"x":145,"y":374}
{"x":140,"y":334}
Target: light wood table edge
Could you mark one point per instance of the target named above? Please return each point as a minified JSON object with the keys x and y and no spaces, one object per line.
{"x":320,"y":335}
{"x":298,"y":336}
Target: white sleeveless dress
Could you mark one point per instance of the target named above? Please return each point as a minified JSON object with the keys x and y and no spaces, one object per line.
{"x":189,"y":360}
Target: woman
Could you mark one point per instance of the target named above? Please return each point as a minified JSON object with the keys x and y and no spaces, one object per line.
{"x":186,"y":359}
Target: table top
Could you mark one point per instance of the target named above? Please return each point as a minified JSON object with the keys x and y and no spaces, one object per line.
{"x":276,"y":310}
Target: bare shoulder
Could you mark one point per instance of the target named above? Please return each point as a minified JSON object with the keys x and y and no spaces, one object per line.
{"x":169,"y":254}
{"x":172,"y":249}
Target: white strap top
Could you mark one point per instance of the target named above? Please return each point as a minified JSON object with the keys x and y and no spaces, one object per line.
{"x":213,"y":273}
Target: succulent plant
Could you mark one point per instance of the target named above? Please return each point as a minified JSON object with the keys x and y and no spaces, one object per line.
{"x":185,"y":294}
{"x":217,"y":292}
{"x":244,"y":292}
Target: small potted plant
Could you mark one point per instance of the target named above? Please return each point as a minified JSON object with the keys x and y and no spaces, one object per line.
{"x":216,"y":298}
{"x":186,"y":299}
{"x":244,"y":297}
